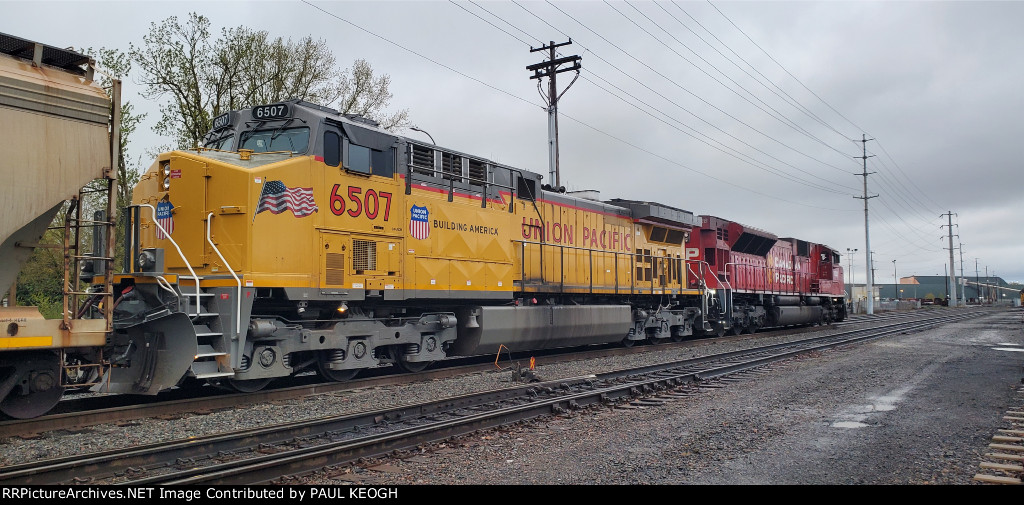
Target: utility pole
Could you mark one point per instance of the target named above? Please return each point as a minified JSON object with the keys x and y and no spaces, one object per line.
{"x":849,"y":256}
{"x":952,"y":267}
{"x":872,"y":265}
{"x":896,"y":280}
{"x":945,"y":270}
{"x":977,"y":282}
{"x":549,"y":69}
{"x":963,"y":283}
{"x":867,"y":231}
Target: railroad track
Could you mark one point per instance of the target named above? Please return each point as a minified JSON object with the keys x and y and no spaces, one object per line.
{"x":287,"y":453}
{"x":90,"y":410}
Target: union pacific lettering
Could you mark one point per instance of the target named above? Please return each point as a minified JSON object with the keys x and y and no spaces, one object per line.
{"x":612,"y":238}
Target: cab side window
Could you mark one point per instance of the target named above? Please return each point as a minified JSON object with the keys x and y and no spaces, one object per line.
{"x":332,"y":149}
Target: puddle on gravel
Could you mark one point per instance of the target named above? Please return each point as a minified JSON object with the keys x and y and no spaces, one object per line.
{"x":1007,"y":343}
{"x":1014,"y":349}
{"x":848,"y":424}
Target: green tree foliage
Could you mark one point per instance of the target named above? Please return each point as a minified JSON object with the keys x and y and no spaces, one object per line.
{"x":198,"y":77}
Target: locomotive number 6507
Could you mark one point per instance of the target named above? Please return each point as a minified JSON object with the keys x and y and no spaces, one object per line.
{"x":368,"y":204}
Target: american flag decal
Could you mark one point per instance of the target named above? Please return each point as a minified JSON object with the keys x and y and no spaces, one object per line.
{"x":277,"y":198}
{"x":419,"y":222}
{"x":165,"y":218}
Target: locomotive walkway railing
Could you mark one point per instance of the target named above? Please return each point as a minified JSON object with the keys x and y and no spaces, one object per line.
{"x":666,"y":272}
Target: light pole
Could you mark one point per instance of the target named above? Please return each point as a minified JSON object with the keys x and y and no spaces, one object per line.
{"x":849,"y":255}
{"x":413,"y":128}
{"x":897,"y":279}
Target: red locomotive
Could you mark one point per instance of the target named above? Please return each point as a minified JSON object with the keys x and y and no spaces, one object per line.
{"x":763,"y":280}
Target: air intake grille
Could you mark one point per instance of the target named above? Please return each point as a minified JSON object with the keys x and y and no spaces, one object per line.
{"x":335,"y":269}
{"x":364,"y":255}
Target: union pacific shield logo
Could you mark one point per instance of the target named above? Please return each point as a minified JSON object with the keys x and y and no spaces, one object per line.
{"x":165,"y":218}
{"x":419,"y":222}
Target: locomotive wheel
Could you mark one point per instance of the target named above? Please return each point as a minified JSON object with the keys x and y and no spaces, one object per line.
{"x":405,"y":365}
{"x":190,"y":383}
{"x":333,"y":375}
{"x":40,"y":373}
{"x":247,"y":386}
{"x":735,"y":330}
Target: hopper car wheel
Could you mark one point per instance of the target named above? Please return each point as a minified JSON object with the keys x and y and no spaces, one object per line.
{"x":247,"y":386}
{"x":719,"y":329}
{"x":657,"y":341}
{"x":330,"y":374}
{"x":678,"y":338}
{"x":39,"y":373}
{"x":626,"y":342}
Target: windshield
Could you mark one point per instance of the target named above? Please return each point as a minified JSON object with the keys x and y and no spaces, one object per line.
{"x":295,"y":140}
{"x":223,"y":144}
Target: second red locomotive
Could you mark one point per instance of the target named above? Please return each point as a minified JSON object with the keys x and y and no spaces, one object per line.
{"x":764,"y":280}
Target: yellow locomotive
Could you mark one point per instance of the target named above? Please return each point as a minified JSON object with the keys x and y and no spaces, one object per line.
{"x":300,"y":238}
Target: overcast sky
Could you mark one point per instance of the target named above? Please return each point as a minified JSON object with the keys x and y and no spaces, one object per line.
{"x":750,"y":111}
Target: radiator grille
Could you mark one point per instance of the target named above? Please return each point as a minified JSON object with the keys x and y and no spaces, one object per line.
{"x":422,"y":160}
{"x":477,"y":172}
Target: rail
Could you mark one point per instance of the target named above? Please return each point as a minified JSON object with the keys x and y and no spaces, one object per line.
{"x":238,"y":297}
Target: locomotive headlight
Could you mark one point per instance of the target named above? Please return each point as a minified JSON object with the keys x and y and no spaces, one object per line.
{"x":167,"y":182}
{"x":147,"y":260}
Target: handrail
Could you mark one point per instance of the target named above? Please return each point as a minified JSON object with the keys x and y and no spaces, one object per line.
{"x":238,"y":298}
{"x":175,"y":244}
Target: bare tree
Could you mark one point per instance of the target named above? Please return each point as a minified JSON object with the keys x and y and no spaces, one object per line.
{"x":198,"y":79}
{"x":359,"y":92}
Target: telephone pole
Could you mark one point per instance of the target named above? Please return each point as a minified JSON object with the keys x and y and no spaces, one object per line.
{"x":872,"y":265}
{"x":963,"y":283}
{"x":867,"y":231}
{"x":550,"y":69}
{"x":952,"y":268}
{"x":977,"y":282}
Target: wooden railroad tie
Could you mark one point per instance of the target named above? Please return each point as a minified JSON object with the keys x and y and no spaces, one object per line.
{"x":1010,"y":458}
{"x":996,"y":479}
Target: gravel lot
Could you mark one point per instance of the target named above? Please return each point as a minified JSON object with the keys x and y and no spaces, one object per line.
{"x":919,"y":408}
{"x":913,"y":409}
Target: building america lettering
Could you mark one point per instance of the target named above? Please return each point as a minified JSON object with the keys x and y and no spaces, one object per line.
{"x":471,"y":228}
